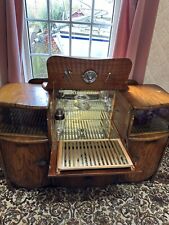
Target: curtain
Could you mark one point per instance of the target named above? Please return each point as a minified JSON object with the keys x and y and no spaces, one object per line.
{"x":11,"y":17}
{"x":134,"y":34}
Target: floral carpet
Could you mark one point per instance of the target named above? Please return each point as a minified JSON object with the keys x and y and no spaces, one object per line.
{"x":146,"y":203}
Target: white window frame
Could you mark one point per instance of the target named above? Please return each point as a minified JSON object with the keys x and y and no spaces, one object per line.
{"x":27,"y":66}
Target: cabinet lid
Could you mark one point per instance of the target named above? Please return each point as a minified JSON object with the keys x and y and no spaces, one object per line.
{"x":24,"y":95}
{"x":146,"y":96}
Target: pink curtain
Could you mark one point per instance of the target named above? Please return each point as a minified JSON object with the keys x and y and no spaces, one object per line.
{"x":11,"y":17}
{"x":134,"y":34}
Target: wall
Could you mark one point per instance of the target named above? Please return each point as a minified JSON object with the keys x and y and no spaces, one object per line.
{"x":157,"y":71}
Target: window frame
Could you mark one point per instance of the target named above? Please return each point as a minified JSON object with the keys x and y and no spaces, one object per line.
{"x":26,"y":53}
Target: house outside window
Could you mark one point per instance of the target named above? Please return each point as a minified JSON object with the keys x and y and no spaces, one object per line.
{"x":77,"y":28}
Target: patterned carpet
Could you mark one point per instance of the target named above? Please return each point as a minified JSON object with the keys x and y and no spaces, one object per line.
{"x":146,"y":203}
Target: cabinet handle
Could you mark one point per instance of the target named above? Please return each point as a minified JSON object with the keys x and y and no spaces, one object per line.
{"x":41,"y":162}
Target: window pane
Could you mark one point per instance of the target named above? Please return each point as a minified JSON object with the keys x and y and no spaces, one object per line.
{"x":38,"y":33}
{"x":80,"y":40}
{"x":103,"y":13}
{"x":100,"y":41}
{"x":60,"y":9}
{"x":39,"y":66}
{"x":68,"y":26}
{"x":60,"y":38}
{"x":81,"y":10}
{"x":36,"y":10}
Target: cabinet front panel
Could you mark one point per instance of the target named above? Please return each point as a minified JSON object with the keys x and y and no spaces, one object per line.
{"x":146,"y":156}
{"x":26,"y":164}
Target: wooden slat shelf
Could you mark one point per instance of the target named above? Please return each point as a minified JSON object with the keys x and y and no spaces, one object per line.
{"x":93,"y":154}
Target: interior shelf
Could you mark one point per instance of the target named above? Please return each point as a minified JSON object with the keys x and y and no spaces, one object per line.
{"x":87,"y":115}
{"x":85,"y":100}
{"x":78,"y":126}
{"x":156,"y":124}
{"x":23,"y":122}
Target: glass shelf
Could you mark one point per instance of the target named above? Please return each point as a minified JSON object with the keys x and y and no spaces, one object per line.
{"x":87,"y":115}
{"x":85,"y":101}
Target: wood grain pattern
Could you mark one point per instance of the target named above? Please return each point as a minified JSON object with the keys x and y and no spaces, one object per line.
{"x":26,"y":164}
{"x":146,"y":156}
{"x":121,"y":115}
{"x":119,"y":70}
{"x":27,"y":159}
{"x":146,"y":96}
{"x":53,"y":160}
{"x":24,"y":95}
{"x":24,"y":139}
{"x":92,"y":178}
{"x":148,"y":136}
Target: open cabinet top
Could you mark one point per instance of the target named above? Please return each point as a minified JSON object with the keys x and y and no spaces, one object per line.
{"x":24,"y":95}
{"x":146,"y":96}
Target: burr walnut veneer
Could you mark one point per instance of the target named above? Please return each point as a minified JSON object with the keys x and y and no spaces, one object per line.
{"x":83,"y":126}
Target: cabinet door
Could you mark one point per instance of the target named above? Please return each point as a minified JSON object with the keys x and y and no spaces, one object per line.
{"x":26,"y":164}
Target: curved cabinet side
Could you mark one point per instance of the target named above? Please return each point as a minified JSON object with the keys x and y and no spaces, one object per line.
{"x":26,"y":164}
{"x":146,"y":156}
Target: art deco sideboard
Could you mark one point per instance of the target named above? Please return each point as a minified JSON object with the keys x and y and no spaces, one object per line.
{"x":85,"y":126}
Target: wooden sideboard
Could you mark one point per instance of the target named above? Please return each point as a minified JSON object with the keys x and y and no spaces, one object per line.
{"x":109,"y":136}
